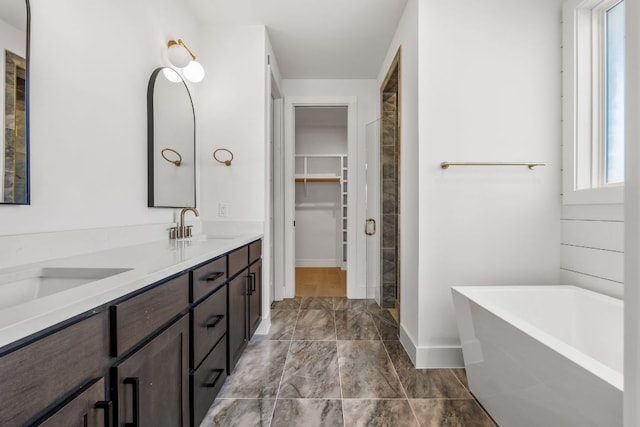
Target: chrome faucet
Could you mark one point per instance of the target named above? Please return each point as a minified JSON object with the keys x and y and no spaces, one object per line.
{"x":182,"y":231}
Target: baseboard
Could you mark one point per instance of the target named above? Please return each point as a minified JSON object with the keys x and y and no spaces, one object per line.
{"x":326,"y":263}
{"x":264,"y":326}
{"x":431,"y":357}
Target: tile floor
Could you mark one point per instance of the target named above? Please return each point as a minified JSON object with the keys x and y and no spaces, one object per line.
{"x":330,"y":361}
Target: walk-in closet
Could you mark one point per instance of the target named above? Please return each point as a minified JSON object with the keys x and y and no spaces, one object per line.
{"x":321,"y":203}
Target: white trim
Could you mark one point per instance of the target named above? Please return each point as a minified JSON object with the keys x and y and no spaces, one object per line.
{"x":351,"y":102}
{"x":264,"y":326}
{"x":582,"y":151}
{"x":278,"y":194}
{"x":431,"y":357}
{"x":330,"y":263}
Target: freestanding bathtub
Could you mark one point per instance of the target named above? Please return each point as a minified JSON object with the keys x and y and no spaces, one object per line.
{"x":543,"y":355}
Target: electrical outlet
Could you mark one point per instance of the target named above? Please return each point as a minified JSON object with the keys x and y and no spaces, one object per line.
{"x":223,"y":210}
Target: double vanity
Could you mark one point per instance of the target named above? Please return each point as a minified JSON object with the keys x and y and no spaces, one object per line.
{"x":140,"y":335}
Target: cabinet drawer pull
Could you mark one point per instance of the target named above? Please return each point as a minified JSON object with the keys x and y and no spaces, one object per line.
{"x":135,"y":382}
{"x":213,"y":276}
{"x":215,"y":381}
{"x":106,"y":406}
{"x":218,"y":318}
{"x":248,"y":284}
{"x":253,"y":282}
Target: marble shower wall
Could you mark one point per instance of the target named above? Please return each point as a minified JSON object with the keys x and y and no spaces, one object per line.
{"x":390,"y":190}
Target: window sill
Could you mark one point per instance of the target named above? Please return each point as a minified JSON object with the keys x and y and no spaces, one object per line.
{"x":595,"y":196}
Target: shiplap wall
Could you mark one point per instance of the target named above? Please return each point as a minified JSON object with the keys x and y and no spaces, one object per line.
{"x":592,"y":253}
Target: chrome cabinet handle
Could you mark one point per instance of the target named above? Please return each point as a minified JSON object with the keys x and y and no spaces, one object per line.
{"x":367,"y":229}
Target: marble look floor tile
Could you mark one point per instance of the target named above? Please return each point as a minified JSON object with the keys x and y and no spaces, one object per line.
{"x":344,"y":303}
{"x":461,"y":374}
{"x":366,"y":371}
{"x":308,"y":413}
{"x":372,"y":413}
{"x":239,"y":413}
{"x":286,"y":304}
{"x":424,"y":383}
{"x":355,"y":325}
{"x":311,"y":371}
{"x":316,"y":303}
{"x":258,"y":372}
{"x":315,"y":325}
{"x":283,"y":323}
{"x":450,"y":413}
{"x":386,"y":324}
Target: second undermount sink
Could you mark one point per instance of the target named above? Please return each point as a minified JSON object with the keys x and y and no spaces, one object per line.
{"x":21,"y":287}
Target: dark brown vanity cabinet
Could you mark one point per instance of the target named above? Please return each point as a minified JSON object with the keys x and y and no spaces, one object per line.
{"x":208,"y":336}
{"x":155,"y":357}
{"x":237,"y":317}
{"x":38,"y":379}
{"x":88,"y":409}
{"x":152,"y":384}
{"x":245,"y":298}
{"x":254,"y":309}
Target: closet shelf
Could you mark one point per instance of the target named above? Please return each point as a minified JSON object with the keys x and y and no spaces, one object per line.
{"x":317,"y":178}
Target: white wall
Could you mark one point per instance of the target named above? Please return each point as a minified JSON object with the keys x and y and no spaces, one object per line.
{"x":592,"y":252}
{"x":406,"y":37}
{"x":233,"y":116}
{"x":89,"y":114}
{"x":632,"y":221}
{"x":489,"y":90}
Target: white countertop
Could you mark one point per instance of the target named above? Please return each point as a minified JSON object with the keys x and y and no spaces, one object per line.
{"x":148,"y":262}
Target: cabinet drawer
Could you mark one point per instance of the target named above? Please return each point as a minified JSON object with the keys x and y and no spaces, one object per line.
{"x":43,"y":372}
{"x":136,"y":318}
{"x":209,"y":324}
{"x":207,"y":380}
{"x":238,"y":260}
{"x":208,"y":277}
{"x":255,"y":250}
{"x":88,"y":407}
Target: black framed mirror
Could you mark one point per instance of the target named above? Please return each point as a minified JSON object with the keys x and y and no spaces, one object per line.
{"x":15,"y":22}
{"x":171,"y":141}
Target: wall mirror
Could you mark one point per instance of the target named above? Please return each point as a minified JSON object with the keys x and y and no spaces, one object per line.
{"x":14,"y":157}
{"x":171,"y":141}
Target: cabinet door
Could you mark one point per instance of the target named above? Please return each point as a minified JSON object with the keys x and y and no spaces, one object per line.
{"x":47,"y":370}
{"x":152,"y":385}
{"x":255,"y":297}
{"x":237,"y":317}
{"x":88,"y":409}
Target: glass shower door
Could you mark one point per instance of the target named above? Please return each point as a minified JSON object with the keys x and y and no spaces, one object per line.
{"x":372,"y":194}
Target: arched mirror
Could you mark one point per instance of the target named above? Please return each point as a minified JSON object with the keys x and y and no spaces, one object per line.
{"x":171,"y":138}
{"x":14,"y":156}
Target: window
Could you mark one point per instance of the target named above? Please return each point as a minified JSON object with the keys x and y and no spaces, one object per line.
{"x":614,"y":110}
{"x":593,"y":98}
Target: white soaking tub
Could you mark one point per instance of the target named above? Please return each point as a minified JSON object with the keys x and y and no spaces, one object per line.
{"x":543,"y":355}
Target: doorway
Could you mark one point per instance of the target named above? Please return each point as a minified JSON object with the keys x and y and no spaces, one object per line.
{"x":321,"y":200}
{"x":390,"y":186}
{"x":344,"y":183}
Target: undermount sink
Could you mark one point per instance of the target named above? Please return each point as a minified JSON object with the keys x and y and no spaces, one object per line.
{"x":18,"y":288}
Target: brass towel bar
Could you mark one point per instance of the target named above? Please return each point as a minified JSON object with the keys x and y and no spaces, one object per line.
{"x":530,"y":165}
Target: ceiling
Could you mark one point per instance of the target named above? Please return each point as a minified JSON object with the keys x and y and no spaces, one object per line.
{"x":316,"y":39}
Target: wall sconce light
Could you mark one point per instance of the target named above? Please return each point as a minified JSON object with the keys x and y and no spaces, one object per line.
{"x":181,"y":56}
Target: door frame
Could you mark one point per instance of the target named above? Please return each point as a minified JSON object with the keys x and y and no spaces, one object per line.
{"x":355,"y":240}
{"x":274,"y":262}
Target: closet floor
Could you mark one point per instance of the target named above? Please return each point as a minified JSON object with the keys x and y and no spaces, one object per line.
{"x":321,"y":282}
